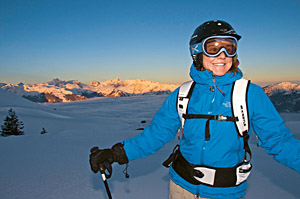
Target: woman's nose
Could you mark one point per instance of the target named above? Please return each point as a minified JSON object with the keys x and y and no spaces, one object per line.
{"x":222,"y":55}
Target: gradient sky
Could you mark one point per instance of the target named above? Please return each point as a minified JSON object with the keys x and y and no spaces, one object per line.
{"x":100,"y":40}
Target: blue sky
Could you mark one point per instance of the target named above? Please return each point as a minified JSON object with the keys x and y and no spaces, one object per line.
{"x":99,"y":40}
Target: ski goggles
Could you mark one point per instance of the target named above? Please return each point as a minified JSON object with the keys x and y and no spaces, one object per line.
{"x":215,"y":45}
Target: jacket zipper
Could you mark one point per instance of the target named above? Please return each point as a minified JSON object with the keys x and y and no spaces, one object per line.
{"x":213,"y":86}
{"x":205,"y":142}
{"x":202,"y":152}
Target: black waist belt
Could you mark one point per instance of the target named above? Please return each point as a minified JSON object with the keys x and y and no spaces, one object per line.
{"x":211,"y":176}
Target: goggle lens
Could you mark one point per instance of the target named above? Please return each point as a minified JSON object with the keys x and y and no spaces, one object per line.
{"x":213,"y":46}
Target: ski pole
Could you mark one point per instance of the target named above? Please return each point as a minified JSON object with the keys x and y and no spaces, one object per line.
{"x":102,"y":171}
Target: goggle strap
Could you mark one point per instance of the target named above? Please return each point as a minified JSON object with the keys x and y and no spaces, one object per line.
{"x":196,"y":48}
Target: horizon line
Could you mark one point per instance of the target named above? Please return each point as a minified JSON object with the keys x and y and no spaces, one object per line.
{"x":260,"y":83}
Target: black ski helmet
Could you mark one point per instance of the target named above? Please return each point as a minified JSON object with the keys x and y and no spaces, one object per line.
{"x":208,"y":29}
{"x":212,"y":28}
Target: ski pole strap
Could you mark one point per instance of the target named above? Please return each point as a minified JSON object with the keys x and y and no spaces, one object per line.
{"x":209,"y":117}
{"x":211,"y":176}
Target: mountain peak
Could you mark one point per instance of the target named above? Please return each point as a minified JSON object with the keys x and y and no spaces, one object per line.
{"x":281,"y":87}
{"x":94,"y":83}
{"x":55,"y":81}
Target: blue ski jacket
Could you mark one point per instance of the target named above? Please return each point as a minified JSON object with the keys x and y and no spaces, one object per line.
{"x":225,"y":147}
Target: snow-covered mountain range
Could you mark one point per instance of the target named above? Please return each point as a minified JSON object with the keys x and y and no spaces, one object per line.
{"x":282,"y":87}
{"x":65,"y":91}
{"x":285,"y":96}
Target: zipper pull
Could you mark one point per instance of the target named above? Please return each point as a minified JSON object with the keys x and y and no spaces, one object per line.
{"x":213,"y":87}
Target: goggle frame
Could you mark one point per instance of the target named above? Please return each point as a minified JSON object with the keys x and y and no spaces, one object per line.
{"x":194,"y":48}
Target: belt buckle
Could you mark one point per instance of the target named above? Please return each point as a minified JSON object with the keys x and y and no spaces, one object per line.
{"x":221,"y":117}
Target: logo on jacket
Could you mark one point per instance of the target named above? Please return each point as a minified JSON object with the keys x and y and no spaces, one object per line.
{"x":227,"y":104}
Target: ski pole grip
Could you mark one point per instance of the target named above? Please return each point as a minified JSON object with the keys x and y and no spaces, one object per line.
{"x":106,"y":169}
{"x":102,"y":168}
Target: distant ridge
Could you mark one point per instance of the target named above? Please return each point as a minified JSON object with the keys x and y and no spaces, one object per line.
{"x":58,"y":90}
{"x":285,"y":96}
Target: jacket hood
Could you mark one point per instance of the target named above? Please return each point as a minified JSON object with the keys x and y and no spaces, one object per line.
{"x":206,"y":77}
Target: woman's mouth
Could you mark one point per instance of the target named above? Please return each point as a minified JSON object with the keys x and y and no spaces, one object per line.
{"x":219,"y":64}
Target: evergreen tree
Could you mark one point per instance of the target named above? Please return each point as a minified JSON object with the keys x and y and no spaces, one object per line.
{"x":43,"y":131}
{"x":12,"y":125}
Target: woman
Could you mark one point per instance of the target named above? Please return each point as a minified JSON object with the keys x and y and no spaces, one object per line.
{"x":210,"y":144}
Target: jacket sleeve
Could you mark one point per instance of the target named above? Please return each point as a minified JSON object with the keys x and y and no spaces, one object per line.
{"x":270,"y":128}
{"x":163,"y":129}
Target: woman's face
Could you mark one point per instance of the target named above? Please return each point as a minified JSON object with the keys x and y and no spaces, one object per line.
{"x":219,"y":65}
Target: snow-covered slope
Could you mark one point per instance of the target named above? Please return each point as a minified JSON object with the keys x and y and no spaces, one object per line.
{"x":55,"y":165}
{"x":35,"y":116}
{"x":66,"y":91}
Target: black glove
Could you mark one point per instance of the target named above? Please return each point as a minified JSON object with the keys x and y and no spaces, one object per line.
{"x":101,"y":160}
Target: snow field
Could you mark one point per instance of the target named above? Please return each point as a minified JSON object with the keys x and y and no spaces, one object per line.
{"x":55,"y":165}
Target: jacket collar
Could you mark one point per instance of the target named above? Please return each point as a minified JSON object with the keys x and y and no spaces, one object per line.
{"x":205,"y":77}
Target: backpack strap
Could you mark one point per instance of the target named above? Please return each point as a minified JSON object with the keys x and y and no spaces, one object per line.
{"x":239,"y":109}
{"x":183,"y":98}
{"x":239,"y":105}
